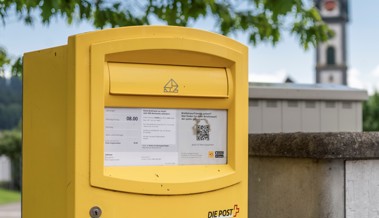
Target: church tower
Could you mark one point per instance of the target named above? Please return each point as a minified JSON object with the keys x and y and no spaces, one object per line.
{"x":331,"y":55}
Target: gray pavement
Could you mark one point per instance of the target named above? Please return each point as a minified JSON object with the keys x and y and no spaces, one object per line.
{"x":10,"y":210}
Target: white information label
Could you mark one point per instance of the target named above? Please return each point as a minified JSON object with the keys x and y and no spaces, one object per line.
{"x":156,"y":137}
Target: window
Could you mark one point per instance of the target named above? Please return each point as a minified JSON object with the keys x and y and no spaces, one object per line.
{"x":292,"y":103}
{"x":254,"y":103}
{"x":347,"y":105}
{"x":271,"y":103}
{"x":330,"y":104}
{"x":310,"y":104}
{"x":331,"y":79}
{"x":330,"y":55}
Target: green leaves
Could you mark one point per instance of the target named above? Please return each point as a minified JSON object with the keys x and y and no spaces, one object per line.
{"x":310,"y":28}
{"x":371,"y":113}
{"x":4,"y":60}
{"x":279,"y":7}
{"x":16,"y":68}
{"x":10,"y":143}
{"x":262,"y":20}
{"x":178,"y":12}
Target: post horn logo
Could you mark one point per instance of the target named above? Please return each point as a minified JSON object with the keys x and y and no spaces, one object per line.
{"x":224,"y":213}
{"x":171,"y":87}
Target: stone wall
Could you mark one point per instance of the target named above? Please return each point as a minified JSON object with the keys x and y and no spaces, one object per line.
{"x":307,"y":175}
{"x":362,"y":189}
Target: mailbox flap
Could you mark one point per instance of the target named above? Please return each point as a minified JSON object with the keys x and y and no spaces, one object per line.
{"x":167,"y":80}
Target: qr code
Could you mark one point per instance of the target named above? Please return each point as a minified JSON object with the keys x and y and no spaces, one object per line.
{"x":202,"y":132}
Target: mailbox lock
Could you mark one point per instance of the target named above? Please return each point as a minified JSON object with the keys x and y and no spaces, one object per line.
{"x":95,"y":212}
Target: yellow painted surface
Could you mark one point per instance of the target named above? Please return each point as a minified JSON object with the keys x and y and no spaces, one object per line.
{"x":66,"y":90}
{"x":152,"y":79}
{"x":45,"y":183}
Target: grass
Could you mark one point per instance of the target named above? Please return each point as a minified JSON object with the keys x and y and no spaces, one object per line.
{"x":9,"y":196}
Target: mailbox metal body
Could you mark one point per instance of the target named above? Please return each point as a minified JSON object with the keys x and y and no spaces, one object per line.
{"x":76,"y":95}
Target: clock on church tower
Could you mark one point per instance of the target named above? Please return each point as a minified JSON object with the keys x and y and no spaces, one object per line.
{"x":331,"y":57}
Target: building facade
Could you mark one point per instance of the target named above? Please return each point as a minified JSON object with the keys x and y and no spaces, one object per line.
{"x":277,"y":108}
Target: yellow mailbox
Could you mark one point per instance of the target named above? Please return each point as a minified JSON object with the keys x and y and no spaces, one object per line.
{"x":136,"y":122}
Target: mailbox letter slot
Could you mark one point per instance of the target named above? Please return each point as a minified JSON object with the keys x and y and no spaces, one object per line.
{"x":151,"y":79}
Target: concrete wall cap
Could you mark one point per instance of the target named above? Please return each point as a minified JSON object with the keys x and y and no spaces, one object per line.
{"x":292,"y":91}
{"x":341,"y":145}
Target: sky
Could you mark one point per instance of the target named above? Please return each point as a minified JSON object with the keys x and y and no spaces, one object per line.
{"x":266,"y":63}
